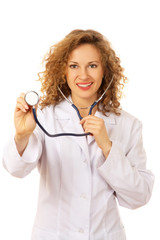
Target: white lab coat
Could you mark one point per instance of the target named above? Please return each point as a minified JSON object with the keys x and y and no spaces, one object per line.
{"x":78,"y":186}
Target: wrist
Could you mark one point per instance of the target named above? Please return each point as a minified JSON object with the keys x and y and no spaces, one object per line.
{"x":21,"y":142}
{"x":107,"y":148}
{"x":19,"y":138}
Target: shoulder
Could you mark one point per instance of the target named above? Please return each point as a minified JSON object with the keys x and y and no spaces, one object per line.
{"x":122,"y":118}
{"x":127,"y":118}
{"x":58,"y":110}
{"x":128,"y":124}
{"x":125,"y":129}
{"x":124,"y":122}
{"x":46,"y":110}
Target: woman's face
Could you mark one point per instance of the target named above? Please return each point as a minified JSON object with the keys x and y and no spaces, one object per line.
{"x":84,"y":73}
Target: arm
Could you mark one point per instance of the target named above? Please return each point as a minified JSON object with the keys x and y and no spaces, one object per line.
{"x":23,"y":151}
{"x":21,"y":165}
{"x":126,"y":173}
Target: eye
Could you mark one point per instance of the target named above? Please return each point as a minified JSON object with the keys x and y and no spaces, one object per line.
{"x":93,"y":65}
{"x":73,"y":66}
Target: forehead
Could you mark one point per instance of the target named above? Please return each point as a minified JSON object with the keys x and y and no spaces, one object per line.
{"x":88,"y":52}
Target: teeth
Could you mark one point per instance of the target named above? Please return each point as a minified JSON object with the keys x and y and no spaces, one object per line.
{"x":84,"y":85}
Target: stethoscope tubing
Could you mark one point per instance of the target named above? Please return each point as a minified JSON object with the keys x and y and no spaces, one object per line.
{"x":90,"y":110}
{"x":58,"y":134}
{"x":78,"y":113}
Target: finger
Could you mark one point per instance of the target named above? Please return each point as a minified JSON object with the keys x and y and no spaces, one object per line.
{"x":94,"y":125}
{"x":92,"y":131}
{"x":92,"y":128}
{"x":22,"y":95}
{"x":22,"y":101}
{"x":87,"y":126}
{"x":89,"y":117}
{"x":93,"y":122}
{"x":20,"y":107}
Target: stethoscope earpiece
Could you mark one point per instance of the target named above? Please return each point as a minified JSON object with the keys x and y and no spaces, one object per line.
{"x":32,"y":98}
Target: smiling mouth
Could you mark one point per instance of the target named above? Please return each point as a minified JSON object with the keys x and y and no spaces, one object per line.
{"x":84,"y":85}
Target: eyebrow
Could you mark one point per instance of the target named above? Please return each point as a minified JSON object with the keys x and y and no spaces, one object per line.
{"x":88,"y":62}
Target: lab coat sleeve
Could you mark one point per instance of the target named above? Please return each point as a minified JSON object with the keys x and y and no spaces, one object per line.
{"x":20,"y":166}
{"x":126,"y":172}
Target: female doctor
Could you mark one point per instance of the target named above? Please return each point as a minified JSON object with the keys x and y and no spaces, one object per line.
{"x":83,"y":179}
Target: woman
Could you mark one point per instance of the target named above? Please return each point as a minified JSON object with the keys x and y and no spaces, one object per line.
{"x":81,"y":177}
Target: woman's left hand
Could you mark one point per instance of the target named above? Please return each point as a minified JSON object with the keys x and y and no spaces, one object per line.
{"x":96,"y":126}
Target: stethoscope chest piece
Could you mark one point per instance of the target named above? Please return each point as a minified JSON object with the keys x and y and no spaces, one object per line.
{"x":31,"y":98}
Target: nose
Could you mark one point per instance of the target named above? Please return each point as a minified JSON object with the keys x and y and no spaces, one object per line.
{"x":83,"y":74}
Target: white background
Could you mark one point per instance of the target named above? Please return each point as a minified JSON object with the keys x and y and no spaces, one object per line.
{"x":28,"y":29}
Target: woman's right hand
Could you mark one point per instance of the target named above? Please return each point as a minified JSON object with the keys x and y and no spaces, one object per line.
{"x":24,"y":123}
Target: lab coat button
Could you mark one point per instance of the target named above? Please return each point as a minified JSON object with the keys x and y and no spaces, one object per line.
{"x":81,"y":230}
{"x":84,"y":196}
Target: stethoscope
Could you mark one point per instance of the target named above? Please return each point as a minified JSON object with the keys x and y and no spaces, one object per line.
{"x":32,"y":99}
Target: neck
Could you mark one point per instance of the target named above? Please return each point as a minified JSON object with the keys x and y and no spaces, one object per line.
{"x":84,"y":105}
{"x":85,"y":112}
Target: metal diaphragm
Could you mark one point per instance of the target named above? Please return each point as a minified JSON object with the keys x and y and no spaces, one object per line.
{"x":32,"y":98}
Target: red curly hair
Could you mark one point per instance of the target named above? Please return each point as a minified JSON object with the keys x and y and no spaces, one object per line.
{"x":56,"y":63}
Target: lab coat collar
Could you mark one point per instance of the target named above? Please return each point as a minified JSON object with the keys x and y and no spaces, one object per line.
{"x":66,"y":111}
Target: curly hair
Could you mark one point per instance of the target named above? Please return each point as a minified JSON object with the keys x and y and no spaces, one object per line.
{"x":56,"y":63}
